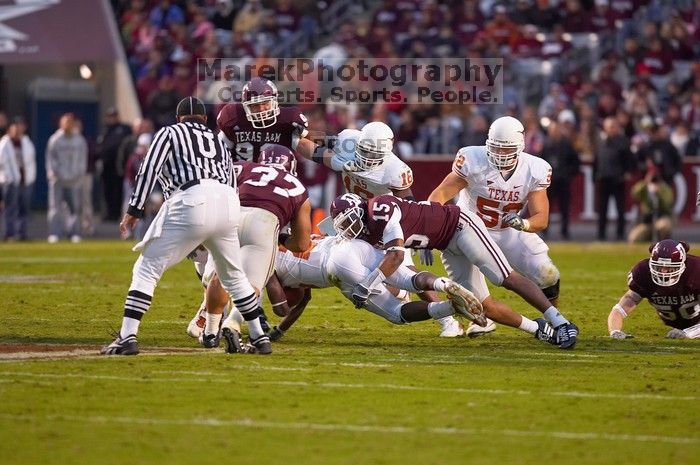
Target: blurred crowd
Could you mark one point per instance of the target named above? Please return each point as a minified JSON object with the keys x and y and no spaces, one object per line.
{"x":612,"y":82}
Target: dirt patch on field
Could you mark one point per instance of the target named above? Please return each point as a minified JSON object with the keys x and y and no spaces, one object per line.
{"x":26,"y":351}
{"x":42,"y":348}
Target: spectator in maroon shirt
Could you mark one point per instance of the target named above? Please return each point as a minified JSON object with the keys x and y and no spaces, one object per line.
{"x":607,"y":84}
{"x":526,"y":44}
{"x":624,"y":9}
{"x":286,"y":16}
{"x":575,"y":20}
{"x":468,"y":22}
{"x":602,"y":18}
{"x":680,"y":41}
{"x":501,"y":29}
{"x":543,"y":14}
{"x":607,"y":106}
{"x":556,"y":43}
{"x":572,"y":84}
{"x":386,"y":15}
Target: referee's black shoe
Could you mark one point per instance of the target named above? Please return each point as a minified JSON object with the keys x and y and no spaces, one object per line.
{"x":122,"y":346}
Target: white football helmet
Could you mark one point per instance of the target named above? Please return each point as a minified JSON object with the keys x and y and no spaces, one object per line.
{"x":376,"y":142}
{"x":505,"y":142}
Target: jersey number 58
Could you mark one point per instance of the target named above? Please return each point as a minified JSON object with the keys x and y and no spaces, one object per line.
{"x":490,"y":211}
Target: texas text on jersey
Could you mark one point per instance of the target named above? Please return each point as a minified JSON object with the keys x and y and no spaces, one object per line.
{"x":244,"y":140}
{"x":423,"y":225}
{"x":271,"y":189}
{"x":678,"y":305}
{"x":489,"y":194}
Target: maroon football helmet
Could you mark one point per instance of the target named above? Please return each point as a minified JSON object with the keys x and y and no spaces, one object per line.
{"x":347,"y":212}
{"x":667,"y":261}
{"x":278,"y":156}
{"x":259,"y":91}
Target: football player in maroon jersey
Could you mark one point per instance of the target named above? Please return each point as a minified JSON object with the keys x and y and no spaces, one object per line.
{"x":258,"y":120}
{"x":670,"y":280}
{"x":395,"y":224}
{"x":271,"y":196}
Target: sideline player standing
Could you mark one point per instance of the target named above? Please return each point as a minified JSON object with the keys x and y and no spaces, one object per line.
{"x":194,"y":171}
{"x":496,"y":181}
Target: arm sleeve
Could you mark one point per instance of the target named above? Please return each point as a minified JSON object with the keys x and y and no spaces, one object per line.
{"x":403,"y":179}
{"x":150,"y":170}
{"x":541,"y":175}
{"x":460,"y":165}
{"x":393,"y":230}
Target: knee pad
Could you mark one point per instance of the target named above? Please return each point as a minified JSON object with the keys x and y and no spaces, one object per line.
{"x":551,"y":292}
{"x":547,"y":275}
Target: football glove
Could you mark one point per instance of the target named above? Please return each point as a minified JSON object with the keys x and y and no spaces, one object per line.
{"x":426,"y":257}
{"x":364,"y":289}
{"x":618,"y":334}
{"x":676,"y":333}
{"x":513,"y":220}
{"x":351,"y":167}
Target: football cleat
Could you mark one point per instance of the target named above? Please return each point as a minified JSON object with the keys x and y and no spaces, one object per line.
{"x":196,"y":326}
{"x":545,"y":332}
{"x":474,"y":330}
{"x":450,"y":327}
{"x":465,"y":303}
{"x":262,"y":345}
{"x":566,"y":335}
{"x":232,"y":341}
{"x":122,"y":346}
{"x":209,"y":341}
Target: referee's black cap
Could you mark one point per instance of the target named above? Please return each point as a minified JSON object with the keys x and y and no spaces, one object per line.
{"x":189,"y":106}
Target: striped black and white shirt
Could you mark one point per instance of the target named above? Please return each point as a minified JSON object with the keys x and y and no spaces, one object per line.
{"x":180,"y":153}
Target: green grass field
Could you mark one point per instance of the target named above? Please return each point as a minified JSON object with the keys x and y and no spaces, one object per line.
{"x":342,"y":387}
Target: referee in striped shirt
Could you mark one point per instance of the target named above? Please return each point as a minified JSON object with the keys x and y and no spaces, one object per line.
{"x":201,"y":207}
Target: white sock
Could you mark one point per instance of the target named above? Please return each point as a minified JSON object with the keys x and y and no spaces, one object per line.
{"x":440,"y":284}
{"x":254,"y":328}
{"x":129,"y":326}
{"x":212,"y":323}
{"x":438,"y":310}
{"x":554,"y":317}
{"x":528,"y":326}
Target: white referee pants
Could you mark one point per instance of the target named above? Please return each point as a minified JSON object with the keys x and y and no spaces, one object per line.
{"x":207,"y":214}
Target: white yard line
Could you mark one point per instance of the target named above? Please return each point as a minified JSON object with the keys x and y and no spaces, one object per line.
{"x":353,"y":428}
{"x":329,"y":385}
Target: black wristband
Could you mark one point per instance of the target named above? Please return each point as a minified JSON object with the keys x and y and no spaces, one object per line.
{"x":282,"y":238}
{"x":318,"y":155}
{"x":133,"y":211}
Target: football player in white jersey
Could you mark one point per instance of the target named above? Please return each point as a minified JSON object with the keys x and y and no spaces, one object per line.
{"x":499,"y":182}
{"x":340,"y":263}
{"x":369,"y":168}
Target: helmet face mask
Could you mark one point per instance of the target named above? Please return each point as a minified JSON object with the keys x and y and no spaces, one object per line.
{"x":367,"y":158}
{"x":347,"y":213}
{"x":667,"y":262}
{"x":375,"y":142}
{"x":505,"y":142}
{"x":262,"y":95}
{"x":278,"y":156}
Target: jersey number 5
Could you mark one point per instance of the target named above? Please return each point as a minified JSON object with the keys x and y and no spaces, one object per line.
{"x":490,"y":210}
